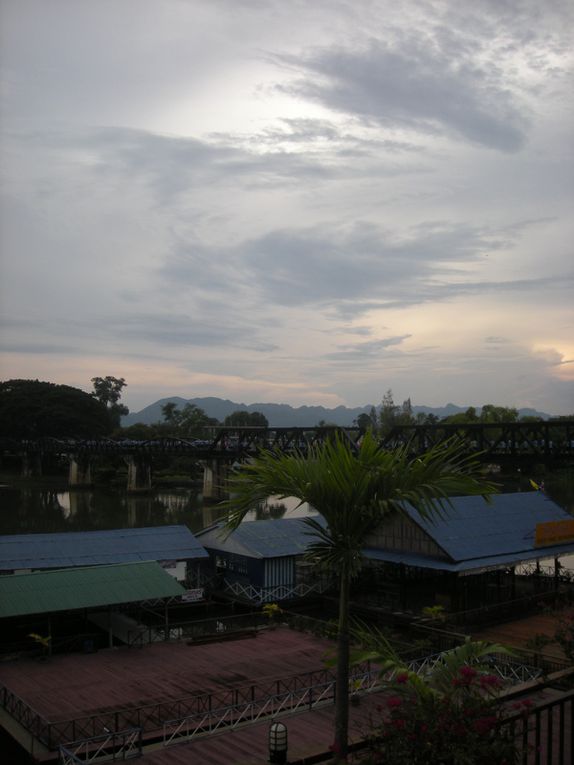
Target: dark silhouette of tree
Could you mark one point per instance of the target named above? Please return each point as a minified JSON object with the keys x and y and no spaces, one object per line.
{"x":243,"y":418}
{"x":188,"y":421}
{"x":353,"y":491}
{"x":108,"y":390}
{"x":36,"y":409}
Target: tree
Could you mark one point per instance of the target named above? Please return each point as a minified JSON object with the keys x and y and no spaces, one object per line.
{"x":462,"y":418}
{"x":354,"y":490}
{"x":426,"y":419}
{"x":391,"y":414}
{"x":388,"y":413}
{"x":108,"y":390}
{"x":364,"y":422}
{"x":36,"y":409}
{"x":492,"y":413}
{"x":188,"y":421}
{"x":243,"y":418}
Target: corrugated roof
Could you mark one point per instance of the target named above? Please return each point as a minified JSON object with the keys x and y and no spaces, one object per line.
{"x":261,"y":539}
{"x":89,"y":587}
{"x":92,"y":548}
{"x":475,"y":534}
{"x":474,"y":528}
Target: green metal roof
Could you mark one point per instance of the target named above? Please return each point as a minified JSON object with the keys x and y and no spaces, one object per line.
{"x":89,"y":587}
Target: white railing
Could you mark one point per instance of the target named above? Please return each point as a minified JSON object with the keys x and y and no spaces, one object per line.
{"x":288,"y":702}
{"x":503,"y":666}
{"x":122,"y":745}
{"x":234,"y":716}
{"x":273,"y":594}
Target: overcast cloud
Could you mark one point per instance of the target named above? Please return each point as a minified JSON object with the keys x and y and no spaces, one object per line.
{"x":301,"y":202}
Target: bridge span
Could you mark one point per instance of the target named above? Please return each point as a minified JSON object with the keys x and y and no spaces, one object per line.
{"x":518,"y":444}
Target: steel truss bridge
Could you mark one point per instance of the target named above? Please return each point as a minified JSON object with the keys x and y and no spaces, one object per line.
{"x":550,"y":440}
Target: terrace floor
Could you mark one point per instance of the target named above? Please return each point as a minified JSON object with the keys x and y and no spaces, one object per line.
{"x":75,"y":685}
{"x":519,"y":632}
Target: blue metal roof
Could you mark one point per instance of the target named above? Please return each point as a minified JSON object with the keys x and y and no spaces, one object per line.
{"x":261,"y":539}
{"x":90,"y":548}
{"x":475,"y":534}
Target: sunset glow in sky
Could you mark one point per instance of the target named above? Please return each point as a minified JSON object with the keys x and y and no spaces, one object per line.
{"x":299,"y":201}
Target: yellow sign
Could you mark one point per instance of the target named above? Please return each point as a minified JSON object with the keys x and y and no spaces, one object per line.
{"x":554,"y":532}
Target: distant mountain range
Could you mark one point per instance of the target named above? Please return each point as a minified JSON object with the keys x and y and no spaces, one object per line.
{"x":283,"y":415}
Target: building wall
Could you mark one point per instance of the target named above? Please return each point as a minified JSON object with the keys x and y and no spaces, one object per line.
{"x":279,"y":571}
{"x":399,"y":534}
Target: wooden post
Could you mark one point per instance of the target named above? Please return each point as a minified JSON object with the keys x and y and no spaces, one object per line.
{"x":110,"y":632}
{"x":166,"y":613}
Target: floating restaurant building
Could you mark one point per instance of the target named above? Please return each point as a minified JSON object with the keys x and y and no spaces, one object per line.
{"x":175,"y":548}
{"x":475,"y":555}
{"x":263,"y":561}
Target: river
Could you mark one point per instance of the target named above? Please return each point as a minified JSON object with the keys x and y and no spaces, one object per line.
{"x":49,"y":505}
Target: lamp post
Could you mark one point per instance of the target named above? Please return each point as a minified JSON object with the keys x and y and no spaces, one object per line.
{"x":278,"y":743}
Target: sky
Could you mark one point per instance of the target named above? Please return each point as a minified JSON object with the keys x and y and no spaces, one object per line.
{"x":292,"y":201}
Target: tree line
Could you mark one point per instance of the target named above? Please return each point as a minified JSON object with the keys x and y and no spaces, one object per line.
{"x":31,"y":409}
{"x":389,"y":415}
{"x":36,"y":409}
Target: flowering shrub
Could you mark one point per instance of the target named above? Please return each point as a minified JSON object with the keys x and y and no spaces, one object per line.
{"x":565,"y":636}
{"x":458,"y":726}
{"x":272,"y":610}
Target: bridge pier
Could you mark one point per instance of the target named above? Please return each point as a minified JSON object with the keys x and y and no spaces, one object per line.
{"x":31,"y":464}
{"x":215,"y":474}
{"x":80,"y":472}
{"x":139,"y":473}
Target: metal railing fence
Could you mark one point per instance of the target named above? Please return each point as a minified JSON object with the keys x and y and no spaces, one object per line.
{"x":111,"y":747}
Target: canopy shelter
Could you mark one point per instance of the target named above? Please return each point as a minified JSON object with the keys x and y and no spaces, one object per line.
{"x":473,"y":538}
{"x":167,"y":544}
{"x":91,"y":587}
{"x":65,"y":604}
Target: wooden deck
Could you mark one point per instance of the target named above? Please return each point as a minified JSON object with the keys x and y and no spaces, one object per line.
{"x":75,"y":685}
{"x":310,"y":734}
{"x":72,"y":686}
{"x":65,"y":687}
{"x":519,"y":632}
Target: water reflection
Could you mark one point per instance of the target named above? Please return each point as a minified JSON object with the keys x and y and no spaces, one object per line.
{"x":41,"y":508}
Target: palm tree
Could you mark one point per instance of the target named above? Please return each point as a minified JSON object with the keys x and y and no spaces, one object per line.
{"x":353,"y":489}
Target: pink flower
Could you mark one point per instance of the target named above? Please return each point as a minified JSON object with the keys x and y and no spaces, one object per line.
{"x":468,"y":673}
{"x":399,"y":723}
{"x":402,"y":678}
{"x":484,"y":724}
{"x":394,"y":701}
{"x":489,"y":681}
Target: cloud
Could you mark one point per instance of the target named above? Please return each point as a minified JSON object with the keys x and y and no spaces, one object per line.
{"x":310,"y":200}
{"x":415,"y":86}
{"x":372,"y":350}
